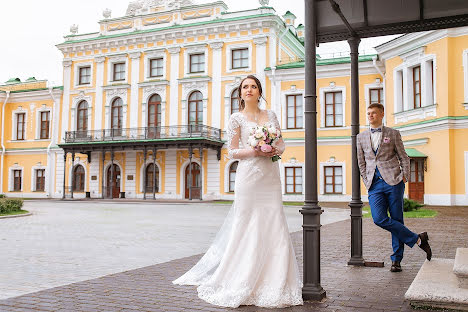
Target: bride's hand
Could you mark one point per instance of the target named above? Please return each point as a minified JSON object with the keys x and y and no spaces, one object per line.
{"x":269,"y":154}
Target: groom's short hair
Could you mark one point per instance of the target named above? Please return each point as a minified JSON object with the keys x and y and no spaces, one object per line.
{"x":377,"y":105}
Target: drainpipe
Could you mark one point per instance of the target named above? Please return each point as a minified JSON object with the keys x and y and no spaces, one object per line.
{"x":49,"y":156}
{"x":3,"y":137}
{"x":374,"y":62}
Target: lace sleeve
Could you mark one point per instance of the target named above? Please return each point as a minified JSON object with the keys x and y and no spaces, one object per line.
{"x":233,"y":137}
{"x":280,"y":146}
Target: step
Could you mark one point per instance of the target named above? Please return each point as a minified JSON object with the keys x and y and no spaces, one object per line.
{"x":436,"y":286}
{"x":460,"y":267}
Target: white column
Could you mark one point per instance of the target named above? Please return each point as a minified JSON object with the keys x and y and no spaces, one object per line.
{"x":273,"y":46}
{"x":94,"y":170}
{"x":135,"y":57}
{"x":217,"y":101}
{"x":66,"y":96}
{"x":59,"y":175}
{"x":130,"y":169}
{"x":213,"y":177}
{"x":260,"y":45}
{"x":407,"y":88}
{"x":98,"y":105}
{"x":174,"y":85}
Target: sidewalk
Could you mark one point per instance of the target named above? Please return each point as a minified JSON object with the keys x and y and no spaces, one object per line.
{"x":348,"y":288}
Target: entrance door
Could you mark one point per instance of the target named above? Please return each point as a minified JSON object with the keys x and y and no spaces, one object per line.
{"x":113,"y":191}
{"x":416,"y":182}
{"x":195,"y":181}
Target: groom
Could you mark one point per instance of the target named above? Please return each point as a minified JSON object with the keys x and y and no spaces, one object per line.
{"x":385,"y":168}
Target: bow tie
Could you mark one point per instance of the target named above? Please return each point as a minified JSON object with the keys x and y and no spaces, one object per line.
{"x":376,"y":130}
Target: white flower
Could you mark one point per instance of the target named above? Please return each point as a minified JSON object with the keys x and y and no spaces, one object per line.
{"x":259,"y":133}
{"x":253,"y":142}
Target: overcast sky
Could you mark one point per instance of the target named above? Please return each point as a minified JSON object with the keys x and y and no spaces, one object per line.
{"x":30,"y":29}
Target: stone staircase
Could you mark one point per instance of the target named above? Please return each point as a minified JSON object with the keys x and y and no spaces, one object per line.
{"x":441,"y":283}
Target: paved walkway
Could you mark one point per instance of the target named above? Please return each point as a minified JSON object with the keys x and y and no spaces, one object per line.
{"x":67,"y":242}
{"x":348,"y":288}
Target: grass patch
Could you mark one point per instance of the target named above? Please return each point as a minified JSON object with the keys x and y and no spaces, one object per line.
{"x":420,"y":213}
{"x":12,"y":213}
{"x":223,"y":201}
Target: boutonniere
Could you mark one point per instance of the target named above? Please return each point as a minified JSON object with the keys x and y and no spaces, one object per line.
{"x":386,"y":140}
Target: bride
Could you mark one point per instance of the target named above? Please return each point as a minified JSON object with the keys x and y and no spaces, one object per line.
{"x":251,"y":261}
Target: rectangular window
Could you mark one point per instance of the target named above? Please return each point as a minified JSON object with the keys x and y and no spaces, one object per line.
{"x":294,"y":112}
{"x":20,"y":124}
{"x":84,"y":75}
{"x":333,"y":179}
{"x":119,"y":71}
{"x":376,"y":96}
{"x":417,"y":87}
{"x":40,"y":179}
{"x":333,"y":109}
{"x":17,"y":180}
{"x":293,"y":180}
{"x":45,"y":125}
{"x":156,"y":67}
{"x":240,"y":58}
{"x":197,"y":63}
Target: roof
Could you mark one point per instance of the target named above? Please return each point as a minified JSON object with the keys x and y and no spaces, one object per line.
{"x":330,"y":61}
{"x":412,"y":152}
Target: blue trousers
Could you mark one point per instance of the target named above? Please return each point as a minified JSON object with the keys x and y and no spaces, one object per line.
{"x":384,"y":199}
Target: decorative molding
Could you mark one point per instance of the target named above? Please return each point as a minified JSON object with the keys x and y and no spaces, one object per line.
{"x":135,"y":55}
{"x":99,"y":59}
{"x":431,"y":126}
{"x":418,"y":113}
{"x":416,"y":142}
{"x":261,"y":40}
{"x":67,"y":63}
{"x":155,"y":53}
{"x":465,"y":105}
{"x":216,"y":45}
{"x":173,"y":50}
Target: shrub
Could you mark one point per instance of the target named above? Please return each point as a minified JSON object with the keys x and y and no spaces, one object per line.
{"x":2,"y":195}
{"x":8,"y":205}
{"x":410,"y":205}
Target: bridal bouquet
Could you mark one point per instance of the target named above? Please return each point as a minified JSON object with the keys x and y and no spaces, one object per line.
{"x":263,"y":138}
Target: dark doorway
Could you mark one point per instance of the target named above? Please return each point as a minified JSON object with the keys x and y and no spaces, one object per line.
{"x":196,"y":187}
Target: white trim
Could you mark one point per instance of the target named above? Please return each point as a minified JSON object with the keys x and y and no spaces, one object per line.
{"x":149,"y":161}
{"x":417,"y":113}
{"x":283,"y":166}
{"x":228,"y":89}
{"x":113,"y":59}
{"x":416,"y":142}
{"x":226,"y":175}
{"x":11,"y":177}
{"x":332,"y":88}
{"x":284,"y":107}
{"x":189,"y":86}
{"x":14,"y":116}
{"x":154,"y":54}
{"x":77,"y":66}
{"x":78,"y":162}
{"x":33,"y":177}
{"x":466,"y":176}
{"x":446,"y":199}
{"x":112,"y":94}
{"x":236,"y":46}
{"x":38,"y":112}
{"x":375,"y":85}
{"x":465,"y":77}
{"x":150,"y":89}
{"x":322,"y":176}
{"x":74,"y":115}
{"x":195,"y":49}
{"x":438,"y":125}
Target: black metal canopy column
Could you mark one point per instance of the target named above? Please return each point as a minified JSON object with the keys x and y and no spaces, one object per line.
{"x":64,"y":172}
{"x":190,"y":171}
{"x":144,"y":174}
{"x":72,"y":174}
{"x":112,"y":175}
{"x":102,"y":173}
{"x":154,"y":172}
{"x":200,"y":181}
{"x":311,"y":211}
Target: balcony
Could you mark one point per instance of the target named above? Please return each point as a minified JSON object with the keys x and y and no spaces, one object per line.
{"x":165,"y":133}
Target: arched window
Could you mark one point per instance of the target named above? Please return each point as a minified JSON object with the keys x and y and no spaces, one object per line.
{"x":82,"y":116}
{"x":116,"y":117}
{"x":152,"y":179}
{"x":154,"y":115}
{"x":234,"y":101}
{"x":232,"y":175}
{"x":79,"y":178}
{"x":195,"y":108}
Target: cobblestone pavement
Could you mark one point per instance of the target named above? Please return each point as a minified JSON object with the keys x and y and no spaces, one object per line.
{"x":348,"y":288}
{"x":67,"y":242}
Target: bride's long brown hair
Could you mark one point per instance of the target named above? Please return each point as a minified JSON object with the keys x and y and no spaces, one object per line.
{"x":260,"y":90}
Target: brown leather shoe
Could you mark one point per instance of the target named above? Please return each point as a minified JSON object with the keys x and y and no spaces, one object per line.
{"x":425,"y":245}
{"x":396,"y":267}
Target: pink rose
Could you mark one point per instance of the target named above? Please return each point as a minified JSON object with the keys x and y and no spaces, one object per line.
{"x":266,"y":148}
{"x":386,"y":140}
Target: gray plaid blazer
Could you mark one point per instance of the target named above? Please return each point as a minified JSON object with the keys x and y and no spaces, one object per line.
{"x":391,"y":158}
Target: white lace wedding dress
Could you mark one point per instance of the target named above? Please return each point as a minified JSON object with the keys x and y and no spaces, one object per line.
{"x":251,"y":261}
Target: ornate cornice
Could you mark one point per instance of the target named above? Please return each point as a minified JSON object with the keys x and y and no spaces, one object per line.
{"x":135,"y":55}
{"x":99,"y":59}
{"x":216,"y":45}
{"x":67,"y":63}
{"x":260,"y":41}
{"x":174,"y":50}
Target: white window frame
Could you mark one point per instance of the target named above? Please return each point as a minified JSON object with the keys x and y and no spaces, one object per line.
{"x":284,"y":109}
{"x":292,"y":165}
{"x":15,"y":113}
{"x":44,"y":108}
{"x":11,"y":178}
{"x":77,"y":74}
{"x":34,"y":175}
{"x":226,"y":175}
{"x":375,"y":85}
{"x":331,"y":88}
{"x":465,"y":78}
{"x":76,"y":101}
{"x":114,"y":59}
{"x":150,"y":55}
{"x":322,"y":176}
{"x":236,"y":46}
{"x":195,"y":49}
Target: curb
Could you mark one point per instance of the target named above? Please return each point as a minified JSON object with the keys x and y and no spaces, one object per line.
{"x":16,"y":216}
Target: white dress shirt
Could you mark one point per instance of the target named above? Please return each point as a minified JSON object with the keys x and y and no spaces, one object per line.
{"x":375,"y":138}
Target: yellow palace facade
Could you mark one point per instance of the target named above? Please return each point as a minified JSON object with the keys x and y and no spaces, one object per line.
{"x":145,"y":103}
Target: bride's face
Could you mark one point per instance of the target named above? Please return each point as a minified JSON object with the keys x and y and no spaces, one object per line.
{"x":249,"y":91}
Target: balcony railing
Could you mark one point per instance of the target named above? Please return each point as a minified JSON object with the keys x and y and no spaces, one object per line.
{"x":143,"y":133}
